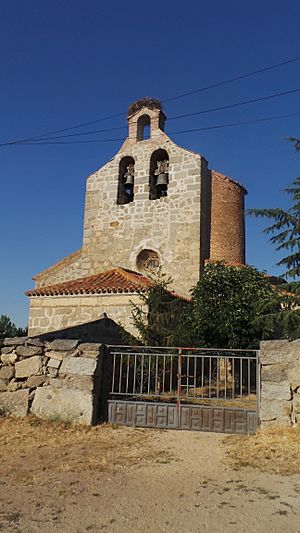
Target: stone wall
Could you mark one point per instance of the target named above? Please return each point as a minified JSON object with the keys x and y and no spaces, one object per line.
{"x":53,"y":313}
{"x":58,"y":380}
{"x":280,"y":383}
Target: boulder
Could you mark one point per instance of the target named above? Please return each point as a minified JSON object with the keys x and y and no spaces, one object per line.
{"x":275,"y":410}
{"x":64,"y":345}
{"x":7,"y":372}
{"x":14,"y":403}
{"x":82,"y":366}
{"x":68,"y":405}
{"x":29,"y":367}
{"x":90,"y":349}
{"x":28,"y":351}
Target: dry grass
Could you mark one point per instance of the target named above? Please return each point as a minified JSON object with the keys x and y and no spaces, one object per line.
{"x":274,"y":450}
{"x":32,"y":449}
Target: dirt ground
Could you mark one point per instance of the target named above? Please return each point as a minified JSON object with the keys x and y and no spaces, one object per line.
{"x":56,"y":479}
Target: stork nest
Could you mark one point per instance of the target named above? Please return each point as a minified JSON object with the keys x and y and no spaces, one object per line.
{"x":151,"y":103}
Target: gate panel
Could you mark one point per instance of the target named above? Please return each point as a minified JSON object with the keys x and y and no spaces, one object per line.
{"x":193,"y":389}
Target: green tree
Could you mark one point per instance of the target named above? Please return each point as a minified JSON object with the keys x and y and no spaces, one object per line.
{"x":226,"y":304}
{"x":285,"y":235}
{"x":156,"y":319}
{"x":223,"y":312}
{"x":9,"y":329}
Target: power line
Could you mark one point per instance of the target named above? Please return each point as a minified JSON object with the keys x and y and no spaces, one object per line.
{"x":230,"y":80}
{"x":186,"y":115}
{"x":172,"y":98}
{"x":236,"y":104}
{"x":205,"y":128}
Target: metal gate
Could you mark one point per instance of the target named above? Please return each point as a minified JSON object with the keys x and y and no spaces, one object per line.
{"x":184,"y":388}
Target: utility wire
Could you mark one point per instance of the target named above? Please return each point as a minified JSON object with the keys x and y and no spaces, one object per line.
{"x":204,"y":111}
{"x":230,"y":80}
{"x":202,"y":89}
{"x":205,"y":128}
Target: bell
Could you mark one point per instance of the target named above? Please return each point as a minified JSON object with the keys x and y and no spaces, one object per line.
{"x":162,"y":179}
{"x":129,"y":180}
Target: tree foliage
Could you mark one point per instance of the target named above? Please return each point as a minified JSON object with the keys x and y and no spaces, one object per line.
{"x":285,"y":235}
{"x":9,"y":329}
{"x":225,"y":311}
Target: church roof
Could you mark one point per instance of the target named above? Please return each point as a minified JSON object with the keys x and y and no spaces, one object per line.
{"x":118,"y":280}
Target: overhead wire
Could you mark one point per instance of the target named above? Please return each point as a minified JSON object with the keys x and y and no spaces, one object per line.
{"x":172,"y":98}
{"x":204,"y":128}
{"x":176,"y":117}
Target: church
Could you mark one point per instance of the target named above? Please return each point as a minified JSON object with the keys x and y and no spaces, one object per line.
{"x":153,"y":205}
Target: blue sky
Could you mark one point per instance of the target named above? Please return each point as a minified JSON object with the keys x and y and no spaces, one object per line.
{"x":67,"y":62}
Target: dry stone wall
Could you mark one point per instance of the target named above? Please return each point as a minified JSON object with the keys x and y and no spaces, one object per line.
{"x":59,"y":380}
{"x":280,"y":383}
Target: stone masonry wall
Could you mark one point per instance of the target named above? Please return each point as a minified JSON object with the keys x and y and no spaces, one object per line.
{"x":53,"y":313}
{"x":58,"y":380}
{"x":280,"y":383}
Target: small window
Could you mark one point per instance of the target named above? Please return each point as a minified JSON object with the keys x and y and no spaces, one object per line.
{"x":159,"y":174}
{"x":126,"y":181}
{"x":143,"y":128}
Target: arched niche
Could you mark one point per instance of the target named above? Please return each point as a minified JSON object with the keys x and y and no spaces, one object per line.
{"x":143,"y":128}
{"x":126,"y":180}
{"x":148,"y":261}
{"x":159,"y":174}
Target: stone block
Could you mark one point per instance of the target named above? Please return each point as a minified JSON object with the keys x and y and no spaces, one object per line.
{"x":68,"y":405}
{"x":7,"y":372}
{"x":35,"y":342}
{"x":15,"y":385}
{"x":274,"y":373}
{"x":29,"y":367}
{"x":28,"y":351}
{"x":15,"y":341}
{"x":3,"y":385}
{"x":275,"y":409}
{"x":64,"y":345}
{"x":276,"y":391}
{"x":54,"y":363}
{"x":87,"y":383}
{"x":275,"y":352}
{"x":8,"y":358}
{"x":7,"y":349}
{"x":35,"y":381}
{"x":59,"y":356}
{"x":82,"y":366}
{"x":14,"y":403}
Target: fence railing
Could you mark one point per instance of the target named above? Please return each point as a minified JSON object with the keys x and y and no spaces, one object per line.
{"x":184,"y":374}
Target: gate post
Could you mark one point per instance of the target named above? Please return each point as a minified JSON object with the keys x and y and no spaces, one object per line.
{"x":258,"y":386}
{"x":179,"y":387}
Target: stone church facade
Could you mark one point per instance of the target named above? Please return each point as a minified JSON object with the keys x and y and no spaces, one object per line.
{"x":154,"y":204}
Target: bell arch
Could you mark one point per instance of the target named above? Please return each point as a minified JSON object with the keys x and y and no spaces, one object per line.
{"x":143,"y":128}
{"x":159,"y":174}
{"x":126,"y":180}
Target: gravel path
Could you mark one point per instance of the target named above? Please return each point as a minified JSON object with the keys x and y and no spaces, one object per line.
{"x":193,"y":491}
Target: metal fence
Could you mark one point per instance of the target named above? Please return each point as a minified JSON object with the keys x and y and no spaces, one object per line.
{"x":185,"y":375}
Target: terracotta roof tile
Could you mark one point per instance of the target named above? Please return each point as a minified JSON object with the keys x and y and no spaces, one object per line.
{"x":117,"y":280}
